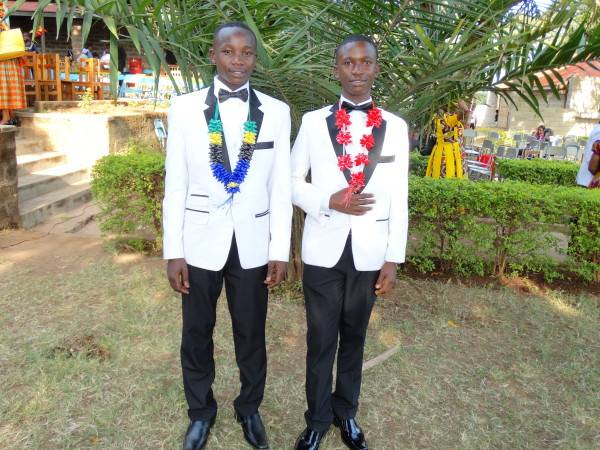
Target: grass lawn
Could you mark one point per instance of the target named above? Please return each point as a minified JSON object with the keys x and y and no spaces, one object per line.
{"x":89,"y":358}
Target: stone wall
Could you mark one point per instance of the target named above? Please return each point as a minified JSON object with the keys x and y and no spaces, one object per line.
{"x":9,"y":208}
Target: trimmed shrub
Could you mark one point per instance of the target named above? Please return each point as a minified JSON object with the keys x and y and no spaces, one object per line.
{"x":129,"y":189}
{"x":418,"y":164}
{"x":497,"y":228}
{"x":538,"y":171}
{"x":484,"y":228}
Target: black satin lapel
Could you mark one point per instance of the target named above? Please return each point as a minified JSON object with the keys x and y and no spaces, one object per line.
{"x":333,"y":131}
{"x":379,"y":136}
{"x":211,"y":102}
{"x":255,"y":113}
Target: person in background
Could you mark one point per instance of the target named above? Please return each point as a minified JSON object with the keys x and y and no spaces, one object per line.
{"x":86,"y":52}
{"x":539,"y":133}
{"x":12,"y":84}
{"x":594,"y":166}
{"x":105,"y":60}
{"x":29,"y":44}
{"x":586,"y":174}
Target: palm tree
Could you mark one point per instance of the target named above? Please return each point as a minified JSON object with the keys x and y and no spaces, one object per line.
{"x":432,"y":53}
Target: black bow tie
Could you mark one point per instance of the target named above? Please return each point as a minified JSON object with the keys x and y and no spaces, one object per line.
{"x":226,"y":95}
{"x":350,"y":107}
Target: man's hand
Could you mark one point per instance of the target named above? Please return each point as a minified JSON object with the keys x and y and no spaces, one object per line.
{"x":358,"y":205}
{"x":177,"y":272}
{"x":387,"y":279}
{"x":276,"y":271}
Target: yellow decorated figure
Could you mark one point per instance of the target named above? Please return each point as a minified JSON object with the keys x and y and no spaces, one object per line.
{"x":445,"y":160}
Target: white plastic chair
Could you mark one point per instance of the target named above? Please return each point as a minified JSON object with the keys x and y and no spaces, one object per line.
{"x":571,"y":152}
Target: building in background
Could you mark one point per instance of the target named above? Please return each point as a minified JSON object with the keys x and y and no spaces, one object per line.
{"x":575,"y":113}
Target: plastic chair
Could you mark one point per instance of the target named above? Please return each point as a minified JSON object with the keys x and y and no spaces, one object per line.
{"x":511,"y":153}
{"x":469,"y":138}
{"x":483,"y":169}
{"x":161,"y":134}
{"x":571,"y":152}
{"x":487,"y":146}
{"x":500,"y":151}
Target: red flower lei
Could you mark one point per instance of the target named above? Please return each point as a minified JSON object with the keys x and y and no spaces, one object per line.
{"x":367,"y":142}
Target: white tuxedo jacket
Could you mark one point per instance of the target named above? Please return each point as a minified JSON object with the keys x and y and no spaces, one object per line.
{"x":198,"y":221}
{"x":378,"y":236}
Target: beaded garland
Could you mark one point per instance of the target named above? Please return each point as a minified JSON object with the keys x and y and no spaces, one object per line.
{"x":231,"y":181}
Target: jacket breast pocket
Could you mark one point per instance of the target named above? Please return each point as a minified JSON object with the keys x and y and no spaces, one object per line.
{"x":386,"y":159}
{"x":266,"y":145}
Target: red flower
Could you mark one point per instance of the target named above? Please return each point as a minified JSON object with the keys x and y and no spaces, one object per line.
{"x":374,"y":117}
{"x":345,"y":162}
{"x":343,"y":138}
{"x":367,"y":142}
{"x":342,"y":118}
{"x":361,"y":158}
{"x":357,"y":181}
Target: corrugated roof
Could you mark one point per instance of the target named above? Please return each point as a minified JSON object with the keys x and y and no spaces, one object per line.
{"x":581,"y":70}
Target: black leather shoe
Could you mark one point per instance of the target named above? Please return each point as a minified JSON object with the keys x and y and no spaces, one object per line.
{"x":254,"y":430}
{"x":197,"y":434}
{"x":309,"y":440}
{"x":351,"y":433}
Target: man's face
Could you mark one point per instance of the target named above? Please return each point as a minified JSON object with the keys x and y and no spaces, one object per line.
{"x":234,"y":54}
{"x":356,"y":67}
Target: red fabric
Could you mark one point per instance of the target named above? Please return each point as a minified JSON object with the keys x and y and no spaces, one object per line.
{"x":485,"y":159}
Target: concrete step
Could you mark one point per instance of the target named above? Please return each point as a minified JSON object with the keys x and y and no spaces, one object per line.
{"x":26,"y":145}
{"x":31,"y":162}
{"x":44,"y":181}
{"x":77,"y":220}
{"x":36,"y":210}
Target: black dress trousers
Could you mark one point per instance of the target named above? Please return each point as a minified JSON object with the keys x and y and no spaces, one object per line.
{"x":338,"y":303}
{"x":247,"y":300}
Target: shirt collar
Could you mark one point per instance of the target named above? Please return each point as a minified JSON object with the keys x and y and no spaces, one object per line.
{"x":344,"y":99}
{"x":220,"y":85}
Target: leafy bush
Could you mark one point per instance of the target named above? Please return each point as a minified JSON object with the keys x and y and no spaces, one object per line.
{"x":538,"y":171}
{"x":457,"y":225}
{"x":418,"y":164}
{"x":498,"y":228}
{"x":129,"y":189}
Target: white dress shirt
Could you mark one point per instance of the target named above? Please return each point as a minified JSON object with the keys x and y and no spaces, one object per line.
{"x":233,"y":112}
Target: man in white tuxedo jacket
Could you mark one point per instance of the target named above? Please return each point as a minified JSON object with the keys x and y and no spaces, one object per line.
{"x":352,"y":240}
{"x":227,"y":221}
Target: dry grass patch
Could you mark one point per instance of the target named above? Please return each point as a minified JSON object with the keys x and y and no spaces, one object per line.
{"x":477,"y":368}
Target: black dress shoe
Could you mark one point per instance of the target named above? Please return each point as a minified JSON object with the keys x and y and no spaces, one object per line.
{"x":254,"y":430}
{"x":309,"y":440}
{"x":351,"y":433}
{"x":197,"y":434}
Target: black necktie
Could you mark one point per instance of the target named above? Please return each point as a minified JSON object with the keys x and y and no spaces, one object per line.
{"x":350,"y":107}
{"x":226,"y":95}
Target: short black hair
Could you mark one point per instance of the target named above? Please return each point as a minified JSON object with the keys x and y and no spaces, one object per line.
{"x":241,"y":25}
{"x":357,"y":38}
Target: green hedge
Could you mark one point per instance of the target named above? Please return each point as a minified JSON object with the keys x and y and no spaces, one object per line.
{"x":457,"y":225}
{"x":538,"y":171}
{"x":129,"y":189}
{"x":497,"y":228}
{"x":418,"y":164}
